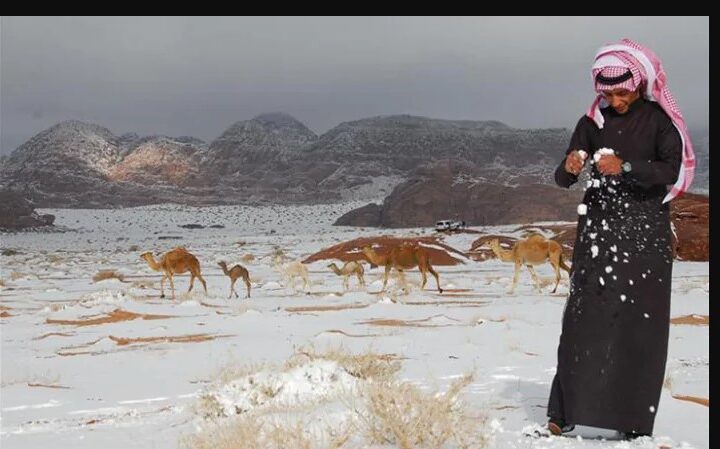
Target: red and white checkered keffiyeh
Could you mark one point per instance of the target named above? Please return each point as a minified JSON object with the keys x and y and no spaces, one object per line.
{"x":615,"y":59}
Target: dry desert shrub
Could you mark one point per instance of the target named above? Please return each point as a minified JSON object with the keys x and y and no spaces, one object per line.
{"x":108,"y":274}
{"x":404,"y":416}
{"x":368,"y":365}
{"x":258,"y":432}
{"x":384,"y":413}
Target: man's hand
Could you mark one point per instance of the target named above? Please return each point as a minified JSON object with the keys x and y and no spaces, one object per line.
{"x":609,"y":164}
{"x":574,"y":162}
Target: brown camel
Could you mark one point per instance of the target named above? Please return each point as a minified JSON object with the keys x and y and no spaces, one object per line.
{"x":349,"y":269}
{"x":401,"y":257}
{"x":175,"y":261}
{"x":533,"y":250}
{"x":236,"y":272}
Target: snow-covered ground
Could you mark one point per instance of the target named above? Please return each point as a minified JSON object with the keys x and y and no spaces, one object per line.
{"x":131,"y":374}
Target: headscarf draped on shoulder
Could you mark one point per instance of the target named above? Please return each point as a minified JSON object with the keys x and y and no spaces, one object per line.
{"x":629,"y":65}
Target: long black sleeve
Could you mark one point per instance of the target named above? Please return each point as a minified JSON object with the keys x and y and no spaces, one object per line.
{"x":580,"y":140}
{"x":665,"y":169}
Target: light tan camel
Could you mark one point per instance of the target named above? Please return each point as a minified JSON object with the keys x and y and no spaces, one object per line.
{"x":291,"y":270}
{"x":402,"y":257}
{"x":350,"y":268}
{"x":175,"y":261}
{"x":236,"y":272}
{"x":533,"y":250}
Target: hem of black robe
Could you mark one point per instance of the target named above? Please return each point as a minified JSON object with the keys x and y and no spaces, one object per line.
{"x":614,"y":421}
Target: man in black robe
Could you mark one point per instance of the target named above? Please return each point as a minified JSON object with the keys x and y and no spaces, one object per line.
{"x":614,"y":340}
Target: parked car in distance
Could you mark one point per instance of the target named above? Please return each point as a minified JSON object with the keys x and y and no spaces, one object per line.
{"x":447,"y":225}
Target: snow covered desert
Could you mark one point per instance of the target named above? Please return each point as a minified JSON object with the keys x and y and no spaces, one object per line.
{"x":92,"y":357}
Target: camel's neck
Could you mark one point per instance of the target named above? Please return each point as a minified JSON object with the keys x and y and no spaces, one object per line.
{"x":153,"y":264}
{"x":335,"y":269}
{"x":225,"y":270}
{"x":374,"y":257}
{"x":501,"y":254}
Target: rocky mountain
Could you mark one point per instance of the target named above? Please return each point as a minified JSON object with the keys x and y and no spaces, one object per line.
{"x":450,"y":189}
{"x":275,"y":158}
{"x":67,"y":158}
{"x":266,"y":140}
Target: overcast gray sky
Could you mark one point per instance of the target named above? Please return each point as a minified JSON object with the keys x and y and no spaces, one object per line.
{"x":198,"y":75}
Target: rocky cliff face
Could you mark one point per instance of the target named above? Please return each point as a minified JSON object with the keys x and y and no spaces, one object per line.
{"x":452,"y":190}
{"x":18,"y":213}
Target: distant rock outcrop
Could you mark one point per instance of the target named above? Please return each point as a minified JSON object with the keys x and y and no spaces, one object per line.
{"x":161,"y":160}
{"x":17,"y":212}
{"x":451,"y":190}
{"x":690,"y":216}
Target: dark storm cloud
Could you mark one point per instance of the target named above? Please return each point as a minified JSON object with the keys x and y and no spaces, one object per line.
{"x":196,"y":76}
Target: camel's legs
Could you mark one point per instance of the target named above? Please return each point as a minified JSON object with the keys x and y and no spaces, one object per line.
{"x":172,"y":285}
{"x":192,"y":282}
{"x":437,"y":277}
{"x":247,"y":284}
{"x":556,"y":267}
{"x":385,"y":277}
{"x":232,"y":288}
{"x":534,"y":276}
{"x":424,"y":277}
{"x":162,"y":285}
{"x":403,"y":281}
{"x":515,"y":276}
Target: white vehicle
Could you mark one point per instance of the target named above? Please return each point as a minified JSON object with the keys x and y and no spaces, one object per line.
{"x":447,"y":225}
{"x":443,"y":225}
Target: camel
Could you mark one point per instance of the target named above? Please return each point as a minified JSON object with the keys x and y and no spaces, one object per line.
{"x":292,"y":270}
{"x":403,"y":257}
{"x":533,"y":250}
{"x":236,"y":272}
{"x":349,"y":269}
{"x":176,"y":261}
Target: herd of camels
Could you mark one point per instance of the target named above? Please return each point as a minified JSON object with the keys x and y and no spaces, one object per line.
{"x":530,"y":251}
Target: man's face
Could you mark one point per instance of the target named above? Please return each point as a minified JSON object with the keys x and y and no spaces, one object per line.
{"x":620,"y":99}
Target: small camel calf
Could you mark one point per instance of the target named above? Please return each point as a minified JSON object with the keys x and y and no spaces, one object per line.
{"x":236,"y":272}
{"x":350,"y":268}
{"x":176,"y":261}
{"x":534,"y":250}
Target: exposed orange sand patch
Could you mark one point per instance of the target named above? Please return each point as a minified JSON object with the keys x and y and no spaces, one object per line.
{"x":54,"y":334}
{"x":352,"y":249}
{"x":401,"y":323}
{"x":4,"y":314}
{"x":406,"y":323}
{"x":443,"y":303}
{"x":47,"y":386}
{"x":210,"y":305}
{"x":325,"y":308}
{"x":112,"y":317}
{"x":337,"y":331}
{"x":693,"y":320}
{"x":701,"y":401}
{"x":195,"y":338}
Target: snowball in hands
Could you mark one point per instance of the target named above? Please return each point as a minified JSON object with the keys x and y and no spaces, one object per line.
{"x":602,"y":152}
